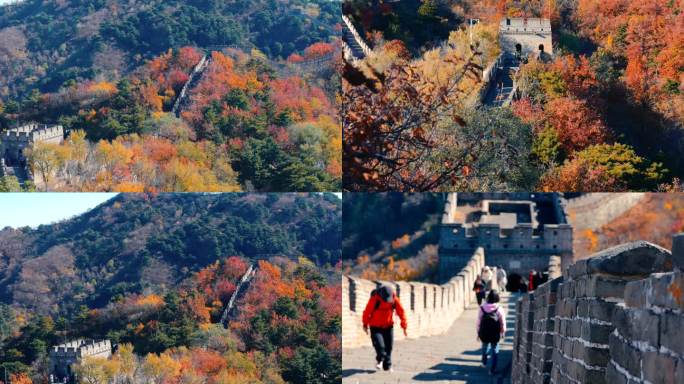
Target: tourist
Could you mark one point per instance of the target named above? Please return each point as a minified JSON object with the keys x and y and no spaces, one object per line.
{"x":479,"y":289}
{"x":487,"y":277}
{"x":501,"y":278}
{"x":378,"y":315}
{"x":491,"y":328}
{"x":531,"y":282}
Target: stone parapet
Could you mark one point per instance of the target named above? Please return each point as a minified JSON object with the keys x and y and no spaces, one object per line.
{"x":430,"y":308}
{"x":613,"y":318}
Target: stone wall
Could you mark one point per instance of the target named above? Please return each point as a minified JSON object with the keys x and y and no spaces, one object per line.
{"x":593,"y":210}
{"x":430,"y":308}
{"x":613,"y":318}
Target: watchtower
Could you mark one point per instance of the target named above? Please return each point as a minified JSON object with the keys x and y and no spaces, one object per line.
{"x":64,"y":356}
{"x":518,"y":231}
{"x":524,"y":36}
{"x":15,"y":140}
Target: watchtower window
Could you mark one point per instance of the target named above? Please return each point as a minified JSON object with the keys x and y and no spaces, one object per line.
{"x":518,"y":48}
{"x":508,"y":21}
{"x":541,"y":47}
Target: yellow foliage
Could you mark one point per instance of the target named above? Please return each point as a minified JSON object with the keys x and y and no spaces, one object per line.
{"x":129,"y":187}
{"x":103,"y":87}
{"x":150,"y":300}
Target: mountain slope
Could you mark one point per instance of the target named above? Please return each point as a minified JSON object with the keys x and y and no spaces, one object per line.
{"x":46,"y":44}
{"x":138,"y":243}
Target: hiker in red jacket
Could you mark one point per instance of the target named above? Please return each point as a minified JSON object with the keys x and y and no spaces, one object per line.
{"x":378,"y":315}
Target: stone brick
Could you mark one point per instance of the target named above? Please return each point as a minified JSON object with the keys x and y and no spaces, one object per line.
{"x":679,"y":372}
{"x":667,"y":290}
{"x":605,"y":287}
{"x":596,"y":333}
{"x":671,"y":332}
{"x":658,"y":368}
{"x":601,"y":310}
{"x":596,"y":356}
{"x":613,"y":376}
{"x":625,"y":356}
{"x":678,"y":251}
{"x":639,"y":325}
{"x":639,"y":258}
{"x":579,"y":268}
{"x":636,"y":293}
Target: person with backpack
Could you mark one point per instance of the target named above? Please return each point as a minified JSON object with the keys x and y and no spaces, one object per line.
{"x":479,"y":289}
{"x":379,"y":317}
{"x":501,"y":278}
{"x":491,"y":328}
{"x":487,"y":275}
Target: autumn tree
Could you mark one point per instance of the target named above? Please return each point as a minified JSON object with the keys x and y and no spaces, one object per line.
{"x":46,"y":158}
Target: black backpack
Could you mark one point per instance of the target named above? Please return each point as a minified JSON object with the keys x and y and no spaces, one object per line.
{"x":377,"y":303}
{"x":490,"y":328}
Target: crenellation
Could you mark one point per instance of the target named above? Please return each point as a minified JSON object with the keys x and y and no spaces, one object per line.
{"x":14,"y":141}
{"x":519,"y":231}
{"x":617,"y":319}
{"x":64,"y":356}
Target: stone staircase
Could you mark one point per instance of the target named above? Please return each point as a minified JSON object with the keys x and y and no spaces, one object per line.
{"x":353,"y":45}
{"x":503,"y":87}
{"x":356,"y":50}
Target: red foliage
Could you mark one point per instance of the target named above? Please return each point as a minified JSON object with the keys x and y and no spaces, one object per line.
{"x":187,"y":58}
{"x":576,"y":123}
{"x":317,"y":50}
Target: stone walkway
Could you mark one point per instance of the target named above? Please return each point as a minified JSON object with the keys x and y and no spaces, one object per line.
{"x":453,"y":357}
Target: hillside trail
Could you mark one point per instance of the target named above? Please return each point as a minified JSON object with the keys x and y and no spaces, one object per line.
{"x":452,"y":357}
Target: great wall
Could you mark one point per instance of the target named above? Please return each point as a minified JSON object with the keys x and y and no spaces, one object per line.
{"x":615,"y":317}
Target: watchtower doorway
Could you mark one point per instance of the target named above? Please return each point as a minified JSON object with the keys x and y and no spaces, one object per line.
{"x":541,"y":48}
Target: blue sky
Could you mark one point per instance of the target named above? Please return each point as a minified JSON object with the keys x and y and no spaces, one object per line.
{"x":33,"y":209}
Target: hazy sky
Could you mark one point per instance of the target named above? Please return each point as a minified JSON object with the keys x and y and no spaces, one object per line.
{"x":33,"y":209}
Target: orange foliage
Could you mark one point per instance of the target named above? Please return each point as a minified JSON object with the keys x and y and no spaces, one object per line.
{"x":20,"y":378}
{"x":317,"y":50}
{"x":103,"y":87}
{"x":576,"y":123}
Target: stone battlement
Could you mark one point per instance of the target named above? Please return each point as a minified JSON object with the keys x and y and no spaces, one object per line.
{"x":519,"y":233}
{"x":613,"y":318}
{"x":430,"y":308}
{"x":82,"y":348}
{"x":35,"y":132}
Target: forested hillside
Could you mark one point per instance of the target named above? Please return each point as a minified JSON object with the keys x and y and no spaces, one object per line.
{"x":154,"y":274}
{"x":261,"y":114}
{"x":604,"y":113}
{"x":391,"y":236}
{"x":47,"y":43}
